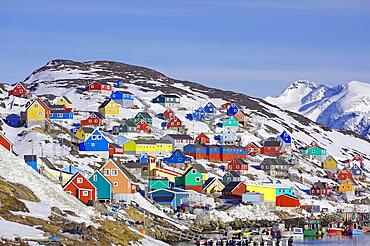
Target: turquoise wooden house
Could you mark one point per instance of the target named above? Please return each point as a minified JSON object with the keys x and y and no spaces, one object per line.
{"x":231,"y":122}
{"x":102,"y":185}
{"x":158,"y":183}
{"x":314,"y":152}
{"x":142,"y":116}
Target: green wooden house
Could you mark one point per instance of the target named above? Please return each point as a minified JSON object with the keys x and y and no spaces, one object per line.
{"x":102,"y":185}
{"x":142,"y":116}
{"x":190,"y":180}
{"x":156,"y":184}
{"x":231,"y":122}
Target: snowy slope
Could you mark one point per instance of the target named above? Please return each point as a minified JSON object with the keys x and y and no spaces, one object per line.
{"x":344,"y":106}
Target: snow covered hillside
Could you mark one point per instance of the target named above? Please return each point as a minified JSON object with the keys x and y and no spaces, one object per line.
{"x":345,"y":106}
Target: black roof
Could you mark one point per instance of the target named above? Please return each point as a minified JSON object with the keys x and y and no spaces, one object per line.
{"x":152,"y":141}
{"x":87,"y":129}
{"x":272,"y":143}
{"x":179,"y":136}
{"x":133,"y":165}
{"x":100,"y":116}
{"x":275,"y":161}
{"x":240,"y":160}
{"x":61,"y":111}
{"x":29,"y":158}
{"x":105,"y":103}
{"x":230,"y":186}
{"x":144,"y":114}
{"x":234,"y":173}
{"x":128,"y":123}
{"x":67,"y":100}
{"x":169,"y":95}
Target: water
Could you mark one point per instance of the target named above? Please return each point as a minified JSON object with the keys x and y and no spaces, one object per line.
{"x":360,"y":240}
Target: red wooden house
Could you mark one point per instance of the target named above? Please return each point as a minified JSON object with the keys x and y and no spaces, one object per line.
{"x":94,"y":119}
{"x":202,"y":139}
{"x":236,"y":189}
{"x":344,"y":174}
{"x":287,"y":201}
{"x":142,"y":126}
{"x":358,"y":159}
{"x":225,"y":106}
{"x":238,"y":164}
{"x":320,"y":189}
{"x":168,"y":114}
{"x":99,"y":86}
{"x":6,"y":143}
{"x":19,"y":90}
{"x":174,"y":124}
{"x":271,"y":147}
{"x":115,"y":149}
{"x":252,"y":149}
{"x":80,"y":187}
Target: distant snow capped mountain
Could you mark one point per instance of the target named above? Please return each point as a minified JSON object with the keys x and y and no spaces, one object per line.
{"x":345,"y":106}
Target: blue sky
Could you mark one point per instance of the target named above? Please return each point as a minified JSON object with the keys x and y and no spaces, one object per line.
{"x":256,"y":47}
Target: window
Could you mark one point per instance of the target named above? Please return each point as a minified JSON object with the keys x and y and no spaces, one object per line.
{"x":79,"y":180}
{"x":95,"y":178}
{"x":193,"y":171}
{"x":115,"y":183}
{"x":85,"y":193}
{"x":99,"y":137}
{"x":114,"y":172}
{"x":197,"y":179}
{"x":93,"y":137}
{"x":40,"y":113}
{"x":92,"y":144}
{"x":69,"y":192}
{"x":106,"y":172}
{"x":89,"y":121}
{"x":36,"y":105}
{"x":92,"y":86}
{"x":21,"y":91}
{"x":59,"y":115}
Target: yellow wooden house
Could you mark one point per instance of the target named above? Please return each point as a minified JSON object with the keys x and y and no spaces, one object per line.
{"x":109,"y":108}
{"x":37,"y":113}
{"x":64,"y":101}
{"x":84,"y":132}
{"x":270,"y":191}
{"x":148,"y":146}
{"x":330,"y":164}
{"x":213,"y":185}
{"x":348,"y":185}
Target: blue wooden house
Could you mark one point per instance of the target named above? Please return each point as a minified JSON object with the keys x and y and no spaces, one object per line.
{"x":286,"y":140}
{"x":144,"y":158}
{"x":228,"y":137}
{"x":233,"y":109}
{"x":31,"y":160}
{"x":102,"y":185}
{"x":118,"y":83}
{"x":198,"y":115}
{"x":119,"y":139}
{"x":175,"y":198}
{"x":96,"y":142}
{"x":13,"y":120}
{"x":61,"y":115}
{"x":123,"y":98}
{"x":177,"y":158}
{"x":210,"y":109}
{"x":356,"y":171}
{"x":72,"y":170}
{"x":74,"y":129}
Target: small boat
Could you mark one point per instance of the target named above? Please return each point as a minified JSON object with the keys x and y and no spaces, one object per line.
{"x":335,"y":228}
{"x":365,"y":224}
{"x":353,"y":230}
{"x":296,"y":232}
{"x":312,"y":228}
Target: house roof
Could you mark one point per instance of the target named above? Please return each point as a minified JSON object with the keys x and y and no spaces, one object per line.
{"x":99,"y":115}
{"x":105,"y":103}
{"x":320,"y":184}
{"x":50,"y":165}
{"x":87,"y":129}
{"x":99,"y":82}
{"x":128,"y":123}
{"x":180,"y":136}
{"x":231,"y":186}
{"x":29,"y":158}
{"x":60,"y":111}
{"x":173,"y":190}
{"x":209,"y":181}
{"x":241,"y":161}
{"x":123,"y":92}
{"x":275,"y":161}
{"x":200,"y":168}
{"x":144,"y":114}
{"x":3,"y":136}
{"x":116,"y":145}
{"x":169,"y":95}
{"x":152,"y":141}
{"x":66,"y":99}
{"x":271,"y":143}
{"x":133,"y":165}
{"x":234,"y":173}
